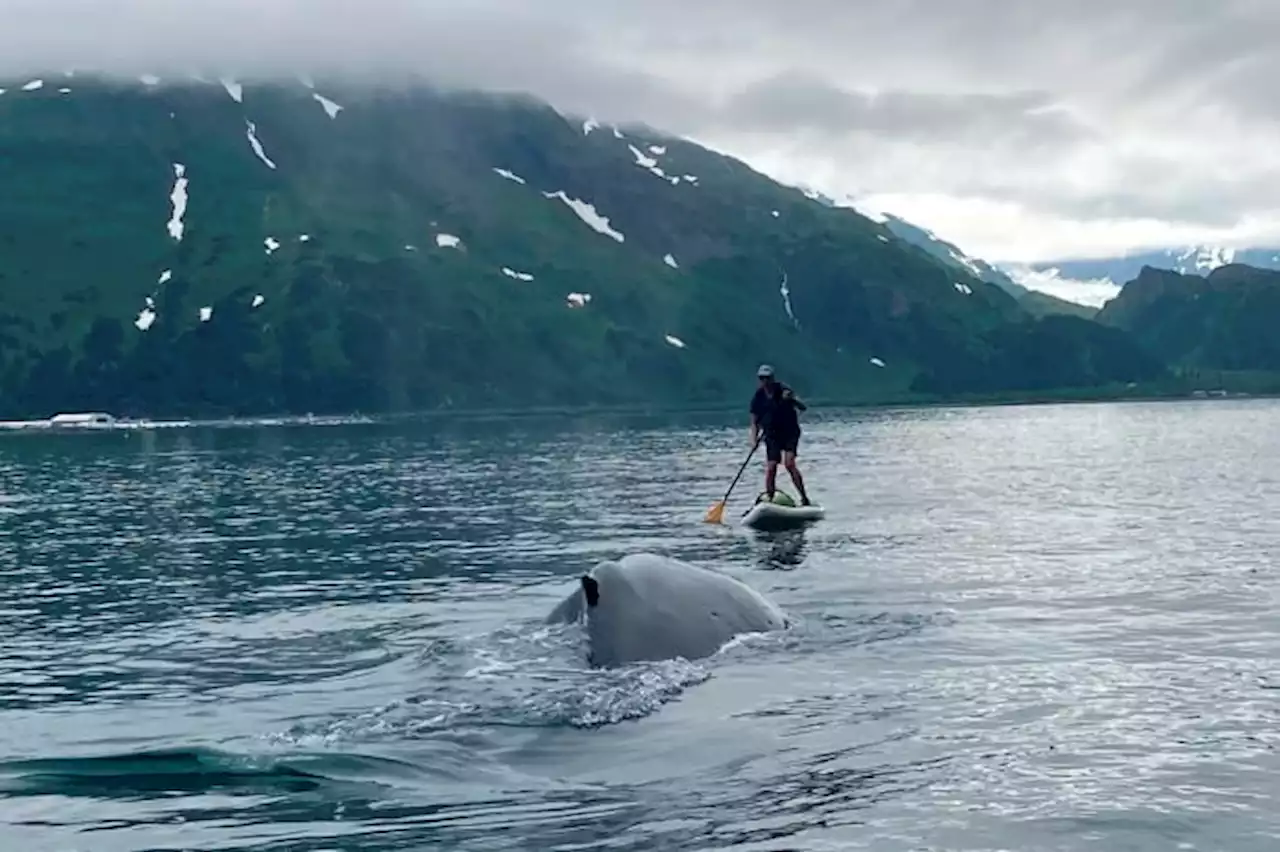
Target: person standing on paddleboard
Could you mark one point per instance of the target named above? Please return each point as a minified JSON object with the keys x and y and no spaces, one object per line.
{"x":774,"y":408}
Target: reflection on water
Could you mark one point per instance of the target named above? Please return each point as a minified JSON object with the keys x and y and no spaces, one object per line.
{"x":1041,"y":628}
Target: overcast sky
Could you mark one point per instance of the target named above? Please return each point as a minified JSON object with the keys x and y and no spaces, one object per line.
{"x":1022,"y":130}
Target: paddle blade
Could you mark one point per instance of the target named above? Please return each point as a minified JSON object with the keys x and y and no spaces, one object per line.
{"x":715,"y":514}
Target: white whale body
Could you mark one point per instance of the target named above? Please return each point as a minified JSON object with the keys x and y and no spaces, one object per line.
{"x":647,"y":607}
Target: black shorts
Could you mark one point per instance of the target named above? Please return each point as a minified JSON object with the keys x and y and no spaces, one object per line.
{"x":776,"y":445}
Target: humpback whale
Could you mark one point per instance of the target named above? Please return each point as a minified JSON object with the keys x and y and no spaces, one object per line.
{"x":649,"y":607}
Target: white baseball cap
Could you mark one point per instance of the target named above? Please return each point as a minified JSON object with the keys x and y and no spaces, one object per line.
{"x":764,"y":372}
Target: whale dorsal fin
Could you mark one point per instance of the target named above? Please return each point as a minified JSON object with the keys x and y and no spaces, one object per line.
{"x":591,"y":589}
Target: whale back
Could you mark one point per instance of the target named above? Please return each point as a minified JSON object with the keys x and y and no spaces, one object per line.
{"x":647,"y":607}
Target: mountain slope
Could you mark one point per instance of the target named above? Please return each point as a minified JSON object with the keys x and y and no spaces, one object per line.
{"x":1035,"y":302}
{"x":1223,"y":321}
{"x":226,"y":247}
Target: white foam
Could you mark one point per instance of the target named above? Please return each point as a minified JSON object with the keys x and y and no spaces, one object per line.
{"x":588,"y":214}
{"x":251,"y":130}
{"x":146,"y":317}
{"x":305,"y":79}
{"x":882,"y":238}
{"x":234,"y":89}
{"x":258,"y":300}
{"x":671,"y":261}
{"x":272,"y":244}
{"x":166,"y":276}
{"x":964,"y":288}
{"x":877,"y":362}
{"x":33,"y":86}
{"x":64,"y":91}
{"x":305,"y":238}
{"x":2,"y":91}
{"x":206,"y":314}
{"x":690,"y":178}
{"x":617,"y":134}
{"x":578,"y":300}
{"x":329,"y":106}
{"x":447,"y":241}
{"x":178,"y":197}
{"x":410,"y":248}
{"x":509,"y":175}
{"x":589,"y":125}
{"x":150,"y":80}
{"x":519,"y":276}
{"x":657,"y":149}
{"x":776,"y":214}
{"x":675,"y":341}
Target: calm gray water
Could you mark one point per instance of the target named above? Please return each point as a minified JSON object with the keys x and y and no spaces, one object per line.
{"x":1039,"y":628}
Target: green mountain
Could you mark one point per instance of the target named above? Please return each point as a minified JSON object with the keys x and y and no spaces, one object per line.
{"x":218,"y":247}
{"x":1043,"y":304}
{"x":1221,"y":321}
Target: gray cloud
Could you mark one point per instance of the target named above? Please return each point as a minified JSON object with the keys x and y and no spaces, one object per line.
{"x":1078,"y":113}
{"x":793,"y":101}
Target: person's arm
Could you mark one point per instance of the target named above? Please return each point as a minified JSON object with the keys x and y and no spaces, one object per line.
{"x":755,"y":419}
{"x":790,"y":395}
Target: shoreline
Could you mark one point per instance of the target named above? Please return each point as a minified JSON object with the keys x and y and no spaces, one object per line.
{"x":910,"y":403}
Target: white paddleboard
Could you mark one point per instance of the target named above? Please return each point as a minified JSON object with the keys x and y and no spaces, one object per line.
{"x":771,"y":516}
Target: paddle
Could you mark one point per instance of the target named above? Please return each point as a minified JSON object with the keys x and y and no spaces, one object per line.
{"x":715,"y":514}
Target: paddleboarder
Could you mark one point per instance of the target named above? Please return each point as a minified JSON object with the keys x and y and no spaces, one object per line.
{"x":774,"y":409}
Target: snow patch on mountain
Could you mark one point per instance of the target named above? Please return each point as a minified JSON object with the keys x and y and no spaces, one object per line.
{"x":510,"y":175}
{"x":178,"y":198}
{"x":588,"y":214}
{"x":251,"y":130}
{"x":785,"y":290}
{"x":234,"y":89}
{"x":146,"y":316}
{"x":650,"y":165}
{"x":329,"y":106}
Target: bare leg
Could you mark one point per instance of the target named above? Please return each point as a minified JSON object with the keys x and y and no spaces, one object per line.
{"x":770,"y":479}
{"x":789,"y":462}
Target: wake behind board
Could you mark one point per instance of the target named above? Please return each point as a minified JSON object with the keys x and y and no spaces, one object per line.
{"x":774,"y":516}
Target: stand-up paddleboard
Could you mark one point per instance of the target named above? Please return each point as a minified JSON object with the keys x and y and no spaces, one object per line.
{"x":781,"y":515}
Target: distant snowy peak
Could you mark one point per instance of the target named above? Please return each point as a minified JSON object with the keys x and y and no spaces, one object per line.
{"x":1190,"y":260}
{"x":1206,"y":258}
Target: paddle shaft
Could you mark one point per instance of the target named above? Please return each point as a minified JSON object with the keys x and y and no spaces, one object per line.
{"x":742,"y":469}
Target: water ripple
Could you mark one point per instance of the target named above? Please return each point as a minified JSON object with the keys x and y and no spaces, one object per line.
{"x":1049,"y":628}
